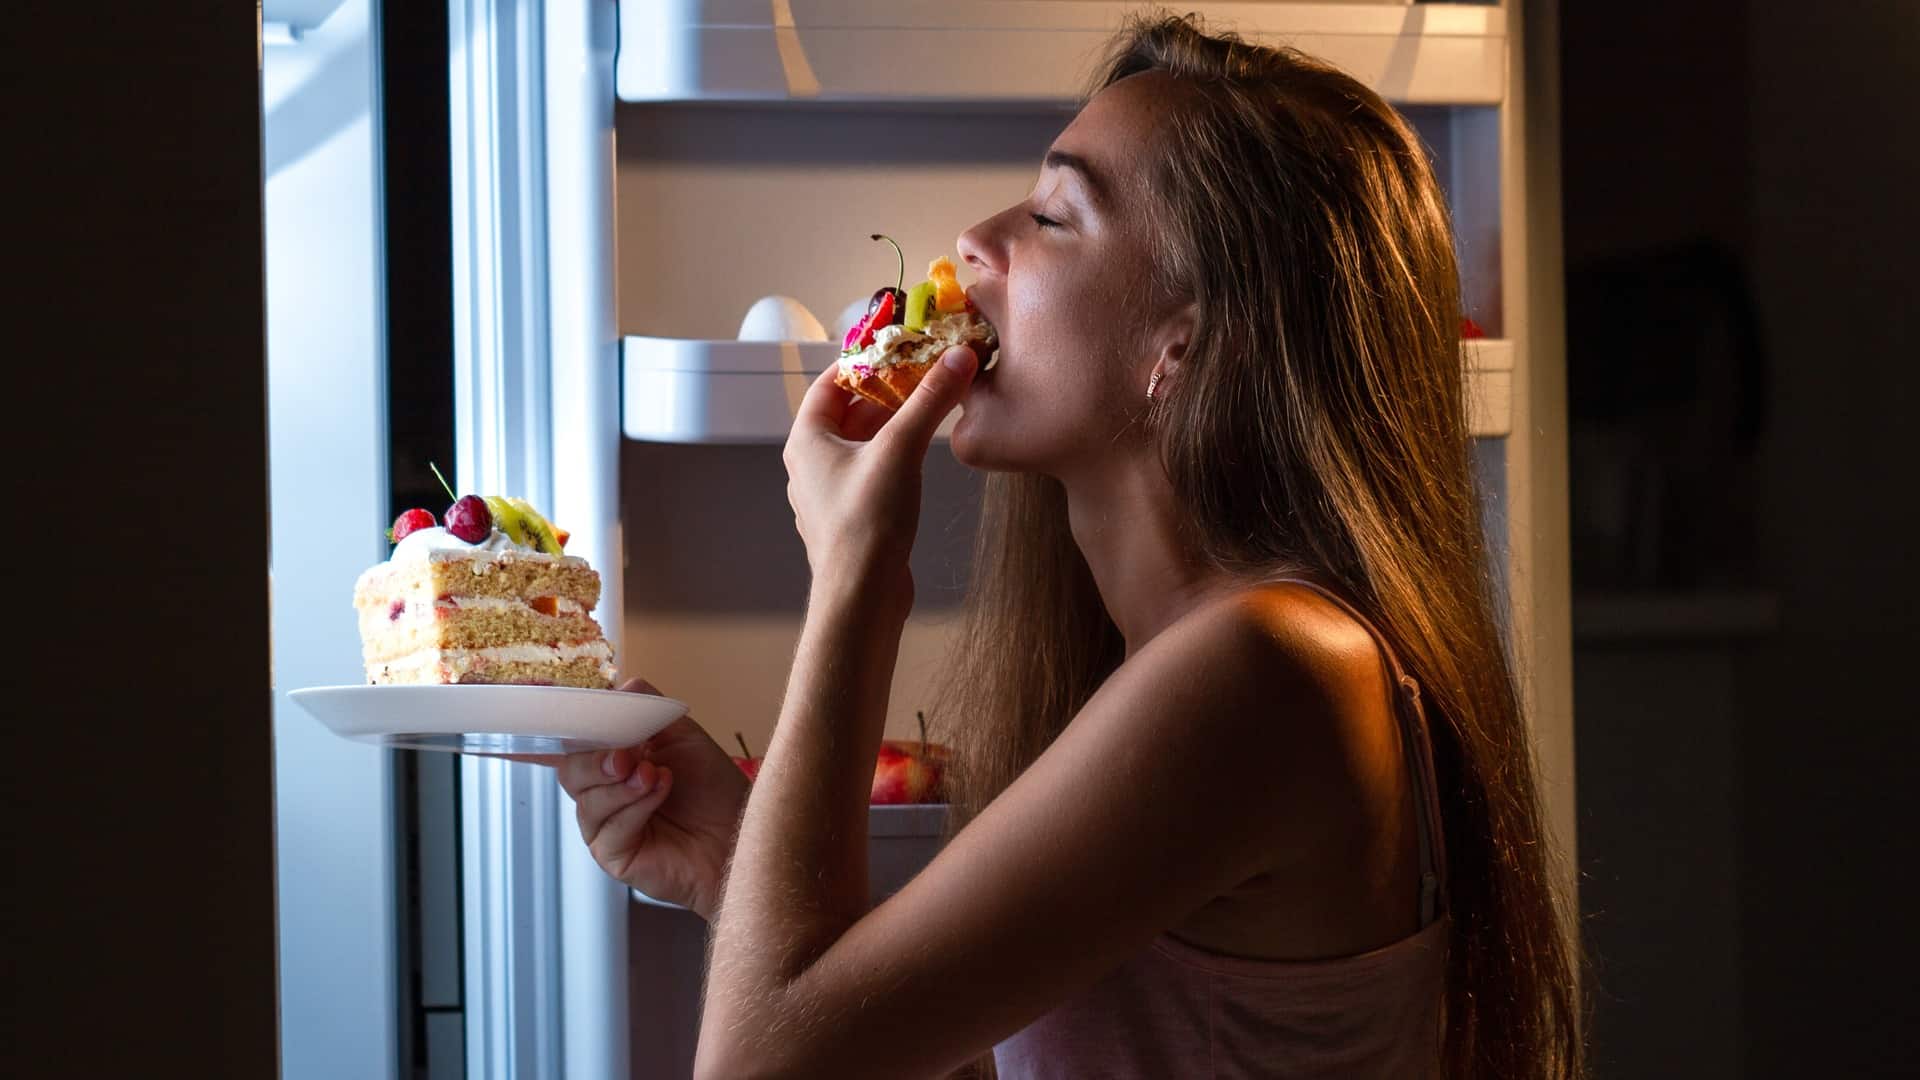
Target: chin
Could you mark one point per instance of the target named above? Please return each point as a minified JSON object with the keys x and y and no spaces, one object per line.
{"x":980,"y":442}
{"x":974,"y":443}
{"x":965,"y":440}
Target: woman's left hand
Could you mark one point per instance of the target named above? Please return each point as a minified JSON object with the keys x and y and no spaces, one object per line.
{"x":853,"y":475}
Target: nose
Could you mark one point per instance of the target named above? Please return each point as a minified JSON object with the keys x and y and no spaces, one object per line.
{"x":980,"y":248}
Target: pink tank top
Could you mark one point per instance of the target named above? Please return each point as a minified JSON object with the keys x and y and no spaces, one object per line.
{"x":1176,"y":1010}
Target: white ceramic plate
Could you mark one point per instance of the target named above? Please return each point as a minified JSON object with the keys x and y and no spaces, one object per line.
{"x":489,"y":719}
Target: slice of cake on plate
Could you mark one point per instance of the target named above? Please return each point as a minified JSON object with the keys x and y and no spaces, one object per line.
{"x":489,"y":597}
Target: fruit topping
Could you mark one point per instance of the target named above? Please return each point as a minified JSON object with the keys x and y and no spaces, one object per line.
{"x":1470,"y":329}
{"x":538,"y":527}
{"x":410,"y":521}
{"x":522,"y":523}
{"x":862,"y":333}
{"x":469,"y":519}
{"x":444,"y":486}
{"x":896,"y":291}
{"x":919,"y":299}
{"x":939,"y":294}
{"x":900,"y":278}
{"x":508,"y":520}
{"x":948,"y":296}
{"x":899,"y":300}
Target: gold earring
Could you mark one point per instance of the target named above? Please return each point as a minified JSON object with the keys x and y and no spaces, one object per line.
{"x":1153,"y":384}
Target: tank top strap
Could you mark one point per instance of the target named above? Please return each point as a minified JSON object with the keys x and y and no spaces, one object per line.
{"x":1410,"y":712}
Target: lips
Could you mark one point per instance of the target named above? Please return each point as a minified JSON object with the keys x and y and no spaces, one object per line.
{"x":989,"y":351}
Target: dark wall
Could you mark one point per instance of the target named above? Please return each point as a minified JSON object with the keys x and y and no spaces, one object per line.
{"x":1740,"y":218}
{"x":139,"y":905}
{"x":1828,"y":769}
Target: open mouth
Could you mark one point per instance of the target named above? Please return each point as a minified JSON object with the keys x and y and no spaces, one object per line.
{"x":989,"y":348}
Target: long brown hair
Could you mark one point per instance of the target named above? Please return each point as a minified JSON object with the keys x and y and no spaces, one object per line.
{"x":1317,"y":422}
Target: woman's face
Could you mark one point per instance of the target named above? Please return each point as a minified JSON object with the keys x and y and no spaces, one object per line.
{"x":1063,"y":276}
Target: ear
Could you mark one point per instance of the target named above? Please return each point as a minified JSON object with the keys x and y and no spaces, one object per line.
{"x":1170,"y":343}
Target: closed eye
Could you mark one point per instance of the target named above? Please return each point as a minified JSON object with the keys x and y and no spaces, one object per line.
{"x":1044,"y":221}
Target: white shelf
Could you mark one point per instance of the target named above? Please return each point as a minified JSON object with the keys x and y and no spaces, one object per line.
{"x":677,"y":390}
{"x":683,"y":391}
{"x":1489,"y":387}
{"x":1020,"y":52}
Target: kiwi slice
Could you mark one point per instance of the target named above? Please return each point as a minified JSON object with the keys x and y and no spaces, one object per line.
{"x":509,"y":520}
{"x":539,"y":529}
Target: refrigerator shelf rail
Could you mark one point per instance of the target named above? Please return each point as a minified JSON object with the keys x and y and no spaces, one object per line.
{"x":1020,"y":53}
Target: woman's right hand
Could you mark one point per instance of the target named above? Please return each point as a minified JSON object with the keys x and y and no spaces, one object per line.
{"x":661,"y":816}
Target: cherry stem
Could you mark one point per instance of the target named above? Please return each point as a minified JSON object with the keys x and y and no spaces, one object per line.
{"x":443,"y":481}
{"x":923,"y":732}
{"x":742,"y":740}
{"x":901,"y":281}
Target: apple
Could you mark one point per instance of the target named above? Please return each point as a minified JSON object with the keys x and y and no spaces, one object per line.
{"x":748,"y":764}
{"x":905,"y":772}
{"x":909,"y":772}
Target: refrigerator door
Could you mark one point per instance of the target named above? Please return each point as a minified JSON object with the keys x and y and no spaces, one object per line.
{"x":327,"y":431}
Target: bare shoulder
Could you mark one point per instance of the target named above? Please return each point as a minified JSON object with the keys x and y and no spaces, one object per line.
{"x":1278,"y":647}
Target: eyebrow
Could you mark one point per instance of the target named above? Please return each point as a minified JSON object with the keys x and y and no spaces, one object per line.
{"x":1060,"y":159}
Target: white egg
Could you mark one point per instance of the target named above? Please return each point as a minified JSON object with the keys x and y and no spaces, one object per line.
{"x":780,"y":318}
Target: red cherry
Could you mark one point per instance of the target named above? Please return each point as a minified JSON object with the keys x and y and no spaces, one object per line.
{"x":469,"y":519}
{"x":411,"y":521}
{"x":1470,"y":329}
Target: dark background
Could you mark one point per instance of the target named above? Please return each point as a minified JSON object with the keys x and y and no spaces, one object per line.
{"x":1739,"y":231}
{"x":1739,"y":183}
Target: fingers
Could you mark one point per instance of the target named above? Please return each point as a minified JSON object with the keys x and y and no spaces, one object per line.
{"x":824,"y":407}
{"x":613,"y":817}
{"x":939,"y":391}
{"x":863,"y":418}
{"x":578,"y":772}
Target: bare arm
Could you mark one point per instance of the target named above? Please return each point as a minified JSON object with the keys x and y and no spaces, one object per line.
{"x":799,"y":873}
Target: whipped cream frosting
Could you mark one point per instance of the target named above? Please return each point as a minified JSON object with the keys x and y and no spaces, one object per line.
{"x":893,"y":345}
{"x":458,"y":662}
{"x":421,"y":543}
{"x":437,"y":544}
{"x":418,"y":613}
{"x":561,"y":605}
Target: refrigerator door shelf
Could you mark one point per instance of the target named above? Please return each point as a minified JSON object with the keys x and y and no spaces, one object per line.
{"x":1013,"y":52}
{"x":1489,"y":387}
{"x":679,"y":390}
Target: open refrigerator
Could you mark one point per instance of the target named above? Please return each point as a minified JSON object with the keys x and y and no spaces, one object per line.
{"x":627,"y":180}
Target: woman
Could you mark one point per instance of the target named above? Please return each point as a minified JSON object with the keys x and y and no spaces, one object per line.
{"x":1219,"y":822}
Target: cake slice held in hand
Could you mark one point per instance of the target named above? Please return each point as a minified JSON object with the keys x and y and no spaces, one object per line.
{"x":905,"y":331}
{"x":491,"y":597}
